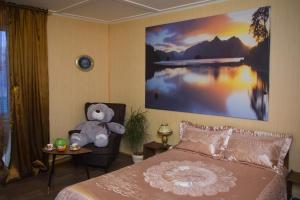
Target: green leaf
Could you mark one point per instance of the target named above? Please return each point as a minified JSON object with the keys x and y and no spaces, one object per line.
{"x":135,"y":129}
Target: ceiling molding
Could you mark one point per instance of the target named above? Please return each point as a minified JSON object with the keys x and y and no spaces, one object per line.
{"x":130,"y":18}
{"x":130,"y":2}
{"x":165,"y":11}
{"x":199,"y":3}
{"x":73,"y":5}
{"x":189,"y":5}
{"x":79,"y":17}
{"x":151,"y":11}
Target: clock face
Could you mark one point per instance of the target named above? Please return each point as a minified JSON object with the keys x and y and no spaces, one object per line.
{"x":85,"y":62}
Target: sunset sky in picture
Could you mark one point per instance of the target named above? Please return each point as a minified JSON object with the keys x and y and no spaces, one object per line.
{"x":179,"y":36}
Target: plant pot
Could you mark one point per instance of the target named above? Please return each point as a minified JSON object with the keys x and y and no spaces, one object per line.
{"x":137,"y":158}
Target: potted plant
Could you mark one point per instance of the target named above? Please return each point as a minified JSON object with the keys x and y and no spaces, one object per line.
{"x":135,"y":133}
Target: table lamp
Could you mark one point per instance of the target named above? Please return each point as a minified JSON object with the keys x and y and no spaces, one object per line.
{"x":164,"y":131}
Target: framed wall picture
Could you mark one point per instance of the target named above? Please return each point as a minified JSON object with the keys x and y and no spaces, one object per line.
{"x":217,"y":65}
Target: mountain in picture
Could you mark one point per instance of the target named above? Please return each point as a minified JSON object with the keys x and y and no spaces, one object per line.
{"x":231,"y":48}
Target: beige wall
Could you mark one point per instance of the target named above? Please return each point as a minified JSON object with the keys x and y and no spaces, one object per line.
{"x":127,"y":66}
{"x":119,"y":72}
{"x":69,"y":87}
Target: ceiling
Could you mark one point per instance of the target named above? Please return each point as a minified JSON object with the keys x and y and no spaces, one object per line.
{"x":110,"y":11}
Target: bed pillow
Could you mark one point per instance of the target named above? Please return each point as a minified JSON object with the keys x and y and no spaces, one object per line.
{"x":257,"y":147}
{"x":206,"y":140}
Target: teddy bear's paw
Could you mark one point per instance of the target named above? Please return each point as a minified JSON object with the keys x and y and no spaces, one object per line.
{"x":80,"y":139}
{"x":101,"y":140}
{"x":75,"y":138}
{"x":101,"y":137}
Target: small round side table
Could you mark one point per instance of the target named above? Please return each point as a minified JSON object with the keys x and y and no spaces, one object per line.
{"x":54,"y":152}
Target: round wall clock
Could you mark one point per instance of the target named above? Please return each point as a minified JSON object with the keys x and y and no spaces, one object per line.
{"x":85,"y":62}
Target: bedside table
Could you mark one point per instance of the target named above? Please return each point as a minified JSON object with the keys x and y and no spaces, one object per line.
{"x":292,"y":178}
{"x":153,"y":148}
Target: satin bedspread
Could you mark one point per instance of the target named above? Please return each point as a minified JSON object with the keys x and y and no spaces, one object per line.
{"x":222,"y":180}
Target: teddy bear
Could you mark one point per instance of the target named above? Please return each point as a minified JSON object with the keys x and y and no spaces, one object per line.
{"x":98,"y":127}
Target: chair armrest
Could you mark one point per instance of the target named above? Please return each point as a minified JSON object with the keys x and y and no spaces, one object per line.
{"x":71,"y":132}
{"x":113,"y":136}
{"x":114,"y":142}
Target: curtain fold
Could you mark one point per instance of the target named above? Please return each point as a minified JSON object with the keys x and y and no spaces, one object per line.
{"x":3,"y":16}
{"x":29,"y":95}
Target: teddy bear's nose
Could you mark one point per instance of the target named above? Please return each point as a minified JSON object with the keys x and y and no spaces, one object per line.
{"x":97,"y":111}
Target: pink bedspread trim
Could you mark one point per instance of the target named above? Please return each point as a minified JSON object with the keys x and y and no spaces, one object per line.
{"x":67,"y":194}
{"x":275,"y":190}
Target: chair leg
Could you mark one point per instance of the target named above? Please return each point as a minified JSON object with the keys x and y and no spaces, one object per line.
{"x":87,"y":171}
{"x":106,"y":168}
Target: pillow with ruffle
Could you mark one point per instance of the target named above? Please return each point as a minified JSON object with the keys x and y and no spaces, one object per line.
{"x":258,"y":147}
{"x":202,"y":139}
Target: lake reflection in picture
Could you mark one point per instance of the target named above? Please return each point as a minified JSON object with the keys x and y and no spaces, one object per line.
{"x":216,"y":65}
{"x":236,"y":91}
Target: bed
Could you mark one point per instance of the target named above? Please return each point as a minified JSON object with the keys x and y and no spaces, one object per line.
{"x":181,"y":173}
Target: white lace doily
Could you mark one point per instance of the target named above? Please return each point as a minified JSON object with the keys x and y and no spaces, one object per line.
{"x":190,"y":178}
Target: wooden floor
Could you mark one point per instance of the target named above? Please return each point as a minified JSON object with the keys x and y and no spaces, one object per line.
{"x":35,"y":188}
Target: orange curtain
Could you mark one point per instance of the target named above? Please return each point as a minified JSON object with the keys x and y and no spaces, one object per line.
{"x":29,"y":93}
{"x":2,"y":15}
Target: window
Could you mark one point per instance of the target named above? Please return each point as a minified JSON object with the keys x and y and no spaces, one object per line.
{"x":4,"y":98}
{"x":3,"y":75}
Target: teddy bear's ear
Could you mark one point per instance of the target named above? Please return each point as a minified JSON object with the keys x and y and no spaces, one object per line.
{"x":108,"y":113}
{"x":90,"y":110}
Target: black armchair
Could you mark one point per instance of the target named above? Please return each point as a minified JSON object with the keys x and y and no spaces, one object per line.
{"x":104,"y":156}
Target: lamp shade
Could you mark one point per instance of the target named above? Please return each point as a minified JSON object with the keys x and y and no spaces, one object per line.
{"x":164,"y":129}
